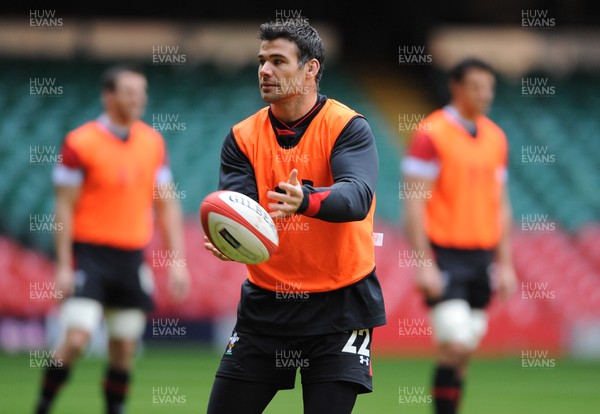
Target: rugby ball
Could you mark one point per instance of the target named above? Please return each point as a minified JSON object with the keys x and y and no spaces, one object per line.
{"x":238,"y":227}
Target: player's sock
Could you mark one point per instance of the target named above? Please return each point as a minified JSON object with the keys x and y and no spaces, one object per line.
{"x":53,"y":379}
{"x":446,"y":390}
{"x":116,"y":385}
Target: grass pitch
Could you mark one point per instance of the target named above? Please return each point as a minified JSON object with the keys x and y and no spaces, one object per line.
{"x":179,"y":379}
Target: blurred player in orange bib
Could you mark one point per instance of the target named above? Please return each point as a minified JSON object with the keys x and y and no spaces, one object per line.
{"x":312,"y":163}
{"x":106,"y":202}
{"x":462,"y":227}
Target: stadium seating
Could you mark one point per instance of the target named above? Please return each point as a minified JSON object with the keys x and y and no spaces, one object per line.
{"x":206,"y":102}
{"x":562,"y":125}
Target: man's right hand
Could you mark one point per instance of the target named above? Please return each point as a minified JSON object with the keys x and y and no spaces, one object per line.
{"x":209,"y":246}
{"x":64,"y":279}
{"x":429,"y":280}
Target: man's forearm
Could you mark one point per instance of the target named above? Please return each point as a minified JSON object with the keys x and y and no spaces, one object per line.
{"x":170,"y":220}
{"x":63,"y":238}
{"x":414,"y":223}
{"x":504,"y":252}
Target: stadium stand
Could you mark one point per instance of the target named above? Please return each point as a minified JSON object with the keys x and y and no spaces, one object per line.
{"x":195,"y":105}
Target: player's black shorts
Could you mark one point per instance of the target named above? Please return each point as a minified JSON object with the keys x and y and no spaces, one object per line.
{"x":344,"y":356}
{"x":466,"y":275}
{"x":114,"y":277}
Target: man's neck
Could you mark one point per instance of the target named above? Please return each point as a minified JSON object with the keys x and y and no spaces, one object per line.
{"x":118,"y":121}
{"x":294,"y":109}
{"x":464,"y":113}
{"x":122,"y":131}
{"x":467,"y":123}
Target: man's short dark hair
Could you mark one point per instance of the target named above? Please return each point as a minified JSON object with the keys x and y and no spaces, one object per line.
{"x":307,"y":39}
{"x":457,"y":73}
{"x":110,"y":75}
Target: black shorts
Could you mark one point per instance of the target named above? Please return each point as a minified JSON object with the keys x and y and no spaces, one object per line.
{"x":466,"y":275}
{"x":344,"y":356}
{"x":114,"y":277}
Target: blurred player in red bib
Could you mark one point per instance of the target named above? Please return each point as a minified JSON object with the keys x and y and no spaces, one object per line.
{"x":458,"y":160}
{"x":106,"y":202}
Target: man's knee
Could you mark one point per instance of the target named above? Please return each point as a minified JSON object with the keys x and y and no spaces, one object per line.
{"x":76,"y":341}
{"x":125,"y":328}
{"x":80,"y":317}
{"x":455,"y":322}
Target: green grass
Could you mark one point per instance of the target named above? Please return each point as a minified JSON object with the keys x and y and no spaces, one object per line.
{"x":494,"y":386}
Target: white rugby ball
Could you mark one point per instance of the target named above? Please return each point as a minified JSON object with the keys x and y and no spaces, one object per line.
{"x":238,"y":227}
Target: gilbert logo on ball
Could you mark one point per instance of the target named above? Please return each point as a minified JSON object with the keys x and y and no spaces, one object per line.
{"x":238,"y":227}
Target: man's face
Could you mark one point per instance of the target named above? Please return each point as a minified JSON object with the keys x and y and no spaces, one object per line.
{"x":128,"y":100}
{"x":476,"y":91}
{"x":279,"y":76}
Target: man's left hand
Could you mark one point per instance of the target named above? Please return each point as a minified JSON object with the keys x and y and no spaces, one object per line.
{"x":290,"y":201}
{"x":179,"y":282}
